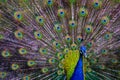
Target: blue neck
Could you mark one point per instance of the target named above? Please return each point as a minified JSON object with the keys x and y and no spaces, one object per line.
{"x":78,"y":73}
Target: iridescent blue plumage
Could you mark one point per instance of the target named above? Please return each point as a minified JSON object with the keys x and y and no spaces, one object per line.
{"x":83,"y":50}
{"x":78,"y":73}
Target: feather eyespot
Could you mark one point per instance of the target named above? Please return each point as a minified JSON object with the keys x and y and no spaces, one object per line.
{"x":15,"y":66}
{"x":97,"y":4}
{"x":18,"y":15}
{"x":40,"y":20}
{"x":58,"y":28}
{"x":18,"y":34}
{"x":31,"y":63}
{"x":83,"y":12}
{"x":6,"y":53}
{"x":3,"y":75}
{"x":72,"y":24}
{"x":105,"y":20}
{"x":89,"y":29}
{"x":45,"y":70}
{"x":61,"y":13}
{"x":68,"y":39}
{"x":38,"y":35}
{"x":22,"y":51}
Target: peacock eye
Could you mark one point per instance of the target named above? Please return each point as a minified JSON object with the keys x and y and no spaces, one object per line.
{"x":49,"y":2}
{"x":52,"y":60}
{"x":83,"y":12}
{"x":97,"y":4}
{"x":88,"y":29}
{"x":60,"y":55}
{"x":26,"y":78}
{"x":40,"y":20}
{"x":60,"y":65}
{"x":18,"y":34}
{"x":73,"y":46}
{"x":108,"y":36}
{"x":72,"y":24}
{"x":18,"y":15}
{"x":44,"y":70}
{"x":38,"y":35}
{"x":79,"y":38}
{"x":105,"y":20}
{"x":89,"y":44}
{"x":114,"y":61}
{"x":56,"y":44}
{"x":66,"y":50}
{"x":58,"y":28}
{"x":68,"y":38}
{"x":31,"y":63}
{"x":3,"y":75}
{"x":43,"y":50}
{"x":6,"y":54}
{"x":15,"y":66}
{"x":59,"y":72}
{"x":61,"y":13}
{"x":22,"y":51}
{"x":104,"y":51}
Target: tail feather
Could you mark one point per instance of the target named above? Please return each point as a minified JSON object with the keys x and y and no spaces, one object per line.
{"x":37,"y":35}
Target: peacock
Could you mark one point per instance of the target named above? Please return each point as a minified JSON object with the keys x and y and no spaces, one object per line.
{"x":59,"y":39}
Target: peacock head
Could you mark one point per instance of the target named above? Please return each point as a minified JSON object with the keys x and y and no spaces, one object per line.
{"x":83,"y":50}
